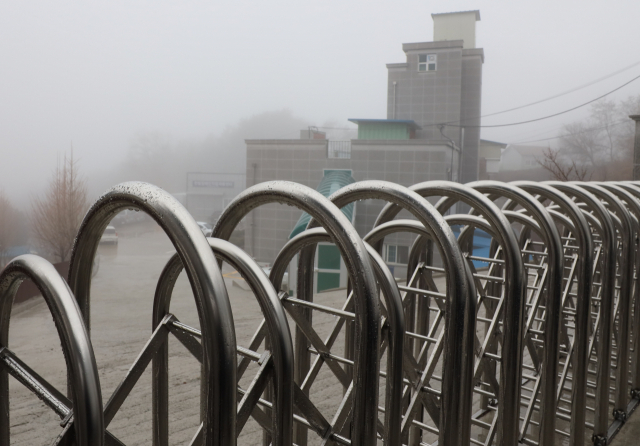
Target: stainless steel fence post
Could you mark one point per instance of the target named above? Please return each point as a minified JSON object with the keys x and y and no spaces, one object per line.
{"x":420,"y":253}
{"x":401,"y":406}
{"x":553,"y":306}
{"x":606,"y":305}
{"x":583,"y":304}
{"x":509,"y":398}
{"x":455,"y":409}
{"x":277,"y":329}
{"x":214,"y":309}
{"x":352,"y":248}
{"x":394,"y":320}
{"x":626,"y":267}
{"x":86,"y":399}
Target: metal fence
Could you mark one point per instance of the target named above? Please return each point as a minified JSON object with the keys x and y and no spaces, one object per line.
{"x":534,"y":343}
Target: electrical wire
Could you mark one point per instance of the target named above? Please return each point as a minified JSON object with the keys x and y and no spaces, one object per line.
{"x":612,"y":124}
{"x":544,"y":117}
{"x":451,"y":123}
{"x":554,"y":96}
{"x":539,"y":133}
{"x":588,"y":84}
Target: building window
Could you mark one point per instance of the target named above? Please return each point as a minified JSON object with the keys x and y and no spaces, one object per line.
{"x":427,"y":62}
{"x":397,"y":254}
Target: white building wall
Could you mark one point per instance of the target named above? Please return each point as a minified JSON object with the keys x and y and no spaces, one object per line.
{"x":456,"y":26}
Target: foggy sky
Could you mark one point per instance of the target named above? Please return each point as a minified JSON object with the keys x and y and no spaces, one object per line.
{"x":98,"y":74}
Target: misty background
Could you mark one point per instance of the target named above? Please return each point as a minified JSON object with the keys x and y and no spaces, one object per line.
{"x":150,"y":90}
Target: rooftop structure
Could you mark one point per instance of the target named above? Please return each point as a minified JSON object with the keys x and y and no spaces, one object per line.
{"x":386,"y":128}
{"x":456,"y":26}
{"x":439,"y":87}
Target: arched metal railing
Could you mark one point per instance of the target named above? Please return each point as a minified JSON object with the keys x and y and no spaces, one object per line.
{"x":81,"y":411}
{"x":535,"y":340}
{"x":504,"y":425}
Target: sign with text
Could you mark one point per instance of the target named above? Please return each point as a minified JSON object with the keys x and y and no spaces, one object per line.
{"x":212,"y":184}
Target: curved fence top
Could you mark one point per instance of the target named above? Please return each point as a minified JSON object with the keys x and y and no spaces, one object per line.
{"x":344,"y":235}
{"x":530,"y":317}
{"x":394,"y":319}
{"x":82,"y":371}
{"x":280,"y":342}
{"x":555,"y":259}
{"x":461,"y":305}
{"x":514,"y":309}
{"x":212,"y":301}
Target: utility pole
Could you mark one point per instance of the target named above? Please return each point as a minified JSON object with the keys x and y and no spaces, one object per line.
{"x":636,"y":149}
{"x":454,"y":147}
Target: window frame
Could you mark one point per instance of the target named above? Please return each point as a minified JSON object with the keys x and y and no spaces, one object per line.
{"x":396,"y":254}
{"x":429,"y":59}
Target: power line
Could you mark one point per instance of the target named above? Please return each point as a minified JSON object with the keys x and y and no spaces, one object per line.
{"x":544,"y":117}
{"x":451,"y":123}
{"x":588,"y":84}
{"x":539,"y":133}
{"x":614,"y":123}
{"x":549,"y":98}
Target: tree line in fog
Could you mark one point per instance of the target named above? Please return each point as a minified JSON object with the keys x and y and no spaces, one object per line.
{"x":599,"y":147}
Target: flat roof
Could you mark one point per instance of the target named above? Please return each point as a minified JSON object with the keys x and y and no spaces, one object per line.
{"x":409,"y":122}
{"x":475,"y":11}
{"x":493,"y":142}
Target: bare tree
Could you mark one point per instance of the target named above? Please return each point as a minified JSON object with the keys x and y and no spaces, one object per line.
{"x":602,"y":144}
{"x":56,"y":217}
{"x":562,"y":169}
{"x":12,"y":228}
{"x":630,"y":106}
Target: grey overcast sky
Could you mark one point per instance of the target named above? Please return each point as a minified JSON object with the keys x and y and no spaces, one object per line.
{"x":98,"y":73}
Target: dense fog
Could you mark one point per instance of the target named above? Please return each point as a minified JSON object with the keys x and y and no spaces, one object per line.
{"x":194,"y":77}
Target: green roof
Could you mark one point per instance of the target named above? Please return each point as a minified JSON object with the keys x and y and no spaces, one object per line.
{"x":331,"y":182}
{"x":408,"y":122}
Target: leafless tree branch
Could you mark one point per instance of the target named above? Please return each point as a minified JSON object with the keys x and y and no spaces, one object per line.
{"x":57,"y":215}
{"x":562,"y":171}
{"x":11,"y":226}
{"x":602,"y":144}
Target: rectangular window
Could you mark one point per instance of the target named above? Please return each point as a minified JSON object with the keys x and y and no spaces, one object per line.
{"x":427,"y":62}
{"x":397,"y":254}
{"x":391,"y":254}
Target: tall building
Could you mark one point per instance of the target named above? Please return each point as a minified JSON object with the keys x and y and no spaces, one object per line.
{"x":433,"y":115}
{"x":440,"y":83}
